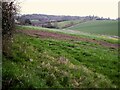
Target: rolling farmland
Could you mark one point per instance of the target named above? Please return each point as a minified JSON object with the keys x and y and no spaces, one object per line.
{"x":103,"y":27}
{"x":59,"y":44}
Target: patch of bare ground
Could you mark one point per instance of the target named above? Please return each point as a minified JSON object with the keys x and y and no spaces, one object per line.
{"x":55,"y":35}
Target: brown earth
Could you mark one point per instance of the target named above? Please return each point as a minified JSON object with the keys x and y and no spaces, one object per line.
{"x":46,"y":34}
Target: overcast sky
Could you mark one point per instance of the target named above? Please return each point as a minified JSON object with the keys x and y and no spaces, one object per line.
{"x":102,"y":8}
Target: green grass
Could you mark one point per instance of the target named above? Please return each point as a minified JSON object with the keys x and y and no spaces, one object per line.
{"x":104,"y":27}
{"x":63,"y":24}
{"x":37,"y":62}
{"x":106,"y":38}
{"x":31,"y":28}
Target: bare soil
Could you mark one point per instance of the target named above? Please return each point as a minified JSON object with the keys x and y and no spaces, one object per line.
{"x":55,"y":35}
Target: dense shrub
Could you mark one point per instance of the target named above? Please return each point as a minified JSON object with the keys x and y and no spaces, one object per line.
{"x":8,"y":25}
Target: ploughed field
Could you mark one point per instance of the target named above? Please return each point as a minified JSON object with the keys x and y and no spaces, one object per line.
{"x":43,"y":58}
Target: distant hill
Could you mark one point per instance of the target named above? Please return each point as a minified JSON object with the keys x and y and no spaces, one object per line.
{"x":46,"y":18}
{"x":58,"y":18}
{"x":55,"y":21}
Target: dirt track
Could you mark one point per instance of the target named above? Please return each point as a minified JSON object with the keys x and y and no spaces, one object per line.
{"x":46,"y":34}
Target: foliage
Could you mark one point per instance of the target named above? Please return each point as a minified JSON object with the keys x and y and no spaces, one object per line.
{"x":8,"y":12}
{"x":8,"y":25}
{"x":27,"y":22}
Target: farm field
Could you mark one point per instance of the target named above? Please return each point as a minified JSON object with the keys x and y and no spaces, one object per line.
{"x":69,"y":23}
{"x":62,"y":24}
{"x":107,"y":38}
{"x":103,"y":27}
{"x":44,"y":58}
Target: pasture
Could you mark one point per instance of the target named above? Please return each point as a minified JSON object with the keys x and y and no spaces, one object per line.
{"x":103,"y":27}
{"x":52,"y":58}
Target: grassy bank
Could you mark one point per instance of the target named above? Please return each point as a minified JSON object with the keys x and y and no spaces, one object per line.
{"x":43,"y":62}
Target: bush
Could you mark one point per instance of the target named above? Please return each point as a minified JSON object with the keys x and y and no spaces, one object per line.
{"x":8,"y":25}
